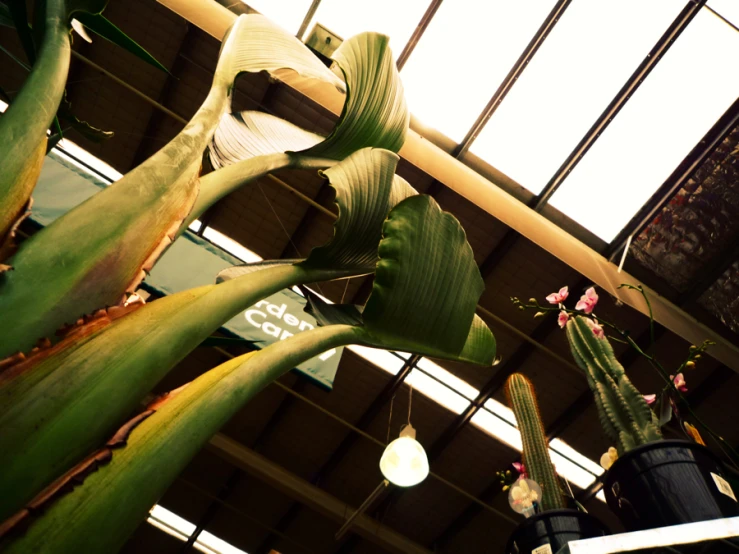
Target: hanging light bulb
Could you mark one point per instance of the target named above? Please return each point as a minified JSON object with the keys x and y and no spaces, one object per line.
{"x":404,"y":462}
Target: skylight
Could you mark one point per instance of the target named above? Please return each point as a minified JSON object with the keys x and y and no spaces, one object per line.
{"x":288,"y":14}
{"x":588,"y":56}
{"x":676,"y":105}
{"x":180,"y":528}
{"x":395,"y":19}
{"x":727,"y":8}
{"x":465,"y":53}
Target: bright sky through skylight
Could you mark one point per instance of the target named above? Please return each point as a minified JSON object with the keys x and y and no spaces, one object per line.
{"x":584,"y":62}
{"x":396,"y":19}
{"x":675,"y":106}
{"x":467,"y":50}
{"x":288,"y":14}
{"x":179,"y":527}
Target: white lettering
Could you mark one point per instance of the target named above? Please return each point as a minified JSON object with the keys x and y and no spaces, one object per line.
{"x":291,"y":320}
{"x":271,"y":329}
{"x":326,"y":355}
{"x":285,"y":334}
{"x":305,"y":326}
{"x":250,"y":315}
{"x":262,"y":303}
{"x":277,"y":311}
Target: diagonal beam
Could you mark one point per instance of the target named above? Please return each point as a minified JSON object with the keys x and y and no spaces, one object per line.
{"x":418,"y":33}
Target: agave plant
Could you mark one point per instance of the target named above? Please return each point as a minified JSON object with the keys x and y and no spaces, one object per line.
{"x":423,"y":300}
{"x":24,"y":125}
{"x":64,"y":400}
{"x":101,"y":250}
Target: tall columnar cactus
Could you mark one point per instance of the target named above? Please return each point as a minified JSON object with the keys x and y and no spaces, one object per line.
{"x":624,"y":414}
{"x":522,"y":399}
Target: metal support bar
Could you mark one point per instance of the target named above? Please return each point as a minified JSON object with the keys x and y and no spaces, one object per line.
{"x":418,"y":33}
{"x":518,"y":68}
{"x":307,"y":19}
{"x":687,"y":14}
{"x":709,"y":275}
{"x":672,"y":185}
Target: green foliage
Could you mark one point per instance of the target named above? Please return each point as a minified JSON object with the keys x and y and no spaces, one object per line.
{"x":522,"y":400}
{"x":623,"y":412}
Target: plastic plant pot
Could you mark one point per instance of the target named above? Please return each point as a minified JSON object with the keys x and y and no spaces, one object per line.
{"x":555,"y":528}
{"x":668,"y":483}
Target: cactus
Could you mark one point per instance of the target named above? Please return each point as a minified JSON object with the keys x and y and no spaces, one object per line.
{"x":522,"y":400}
{"x":623,"y":412}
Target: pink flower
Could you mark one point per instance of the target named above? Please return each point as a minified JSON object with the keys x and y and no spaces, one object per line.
{"x":587,"y":301}
{"x":679,"y":382}
{"x":518,"y":466}
{"x":562,"y":319}
{"x":558,"y":297}
{"x":650,"y":398}
{"x":598,"y":330}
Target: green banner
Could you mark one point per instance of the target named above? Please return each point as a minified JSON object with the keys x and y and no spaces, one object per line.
{"x":190,"y":262}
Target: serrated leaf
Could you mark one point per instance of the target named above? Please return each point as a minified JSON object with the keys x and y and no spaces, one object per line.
{"x":100,"y":25}
{"x":366,"y":190}
{"x":426,"y":289}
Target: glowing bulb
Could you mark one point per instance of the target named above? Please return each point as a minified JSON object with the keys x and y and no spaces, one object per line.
{"x":404,"y":462}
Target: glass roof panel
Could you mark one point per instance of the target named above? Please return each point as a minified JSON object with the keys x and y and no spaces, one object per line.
{"x":465,"y":53}
{"x":675,"y":106}
{"x":395,"y":19}
{"x":288,"y":14}
{"x":587,"y":58}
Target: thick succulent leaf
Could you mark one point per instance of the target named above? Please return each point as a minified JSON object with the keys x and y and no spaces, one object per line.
{"x":366,"y":190}
{"x":76,"y":393}
{"x":427,"y":286}
{"x":375,"y":113}
{"x":137,"y":217}
{"x":100,"y":25}
{"x":331,"y":314}
{"x":247,"y":134}
{"x":159,"y":448}
{"x":23,"y":126}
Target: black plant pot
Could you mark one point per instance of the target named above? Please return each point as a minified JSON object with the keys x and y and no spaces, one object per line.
{"x":667,"y":483}
{"x":555,"y":528}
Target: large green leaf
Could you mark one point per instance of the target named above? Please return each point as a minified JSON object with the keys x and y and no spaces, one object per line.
{"x":158,"y":449}
{"x":101,"y":249}
{"x":103,"y":369}
{"x":23,"y":126}
{"x":375,"y":113}
{"x":366,"y":190}
{"x":425,"y":290}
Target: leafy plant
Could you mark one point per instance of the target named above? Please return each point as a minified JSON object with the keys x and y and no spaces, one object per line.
{"x":148,"y":453}
{"x":64,"y":400}
{"x":522,"y":400}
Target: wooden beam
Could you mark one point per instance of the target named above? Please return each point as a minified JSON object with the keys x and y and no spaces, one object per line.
{"x":313,"y":497}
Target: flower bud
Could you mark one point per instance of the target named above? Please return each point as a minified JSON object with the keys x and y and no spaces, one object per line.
{"x":690,"y":365}
{"x":532,"y":300}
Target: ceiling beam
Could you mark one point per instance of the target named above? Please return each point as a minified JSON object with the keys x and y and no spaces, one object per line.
{"x":466,"y":182}
{"x":680,"y":23}
{"x":311,"y":496}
